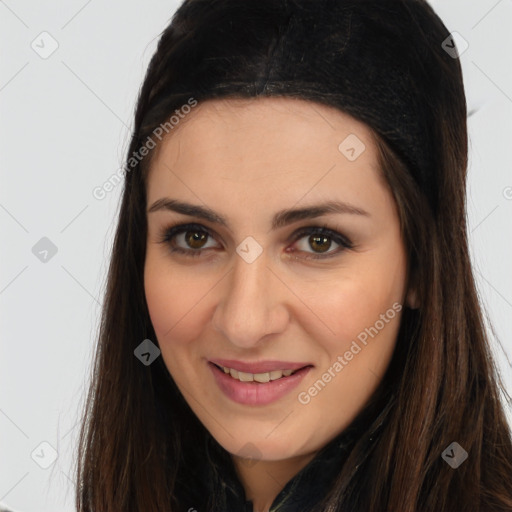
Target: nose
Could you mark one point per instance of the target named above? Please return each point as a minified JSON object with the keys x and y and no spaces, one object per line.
{"x":251,"y":304}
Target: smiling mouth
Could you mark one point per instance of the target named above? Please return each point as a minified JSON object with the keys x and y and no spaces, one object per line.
{"x":261,"y":378}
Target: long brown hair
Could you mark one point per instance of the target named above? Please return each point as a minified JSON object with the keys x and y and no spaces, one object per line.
{"x":140,"y":442}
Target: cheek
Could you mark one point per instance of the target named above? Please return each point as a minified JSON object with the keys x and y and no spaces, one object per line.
{"x":174,"y":304}
{"x":364,"y":313}
{"x":159,"y":295}
{"x":346,"y":310}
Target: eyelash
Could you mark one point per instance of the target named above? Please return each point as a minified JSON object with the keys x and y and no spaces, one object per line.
{"x":169,"y":233}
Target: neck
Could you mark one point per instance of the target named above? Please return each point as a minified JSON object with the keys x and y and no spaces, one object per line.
{"x":263,"y":480}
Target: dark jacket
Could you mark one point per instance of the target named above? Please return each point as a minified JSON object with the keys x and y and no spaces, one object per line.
{"x":303,"y":491}
{"x":214,"y":475}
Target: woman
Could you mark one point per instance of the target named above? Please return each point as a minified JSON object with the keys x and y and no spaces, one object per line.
{"x":291,"y":321}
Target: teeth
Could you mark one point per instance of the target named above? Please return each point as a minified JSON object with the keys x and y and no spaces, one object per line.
{"x":266,"y":377}
{"x":245,"y":377}
{"x":258,"y":377}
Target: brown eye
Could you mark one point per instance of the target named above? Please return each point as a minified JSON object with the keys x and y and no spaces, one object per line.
{"x":191,"y":237}
{"x":191,"y":240}
{"x":195,"y":239}
{"x":320,"y":241}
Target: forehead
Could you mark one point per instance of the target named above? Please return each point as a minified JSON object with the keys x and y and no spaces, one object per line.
{"x":265,"y":151}
{"x":264,"y":121}
{"x":247,"y":109}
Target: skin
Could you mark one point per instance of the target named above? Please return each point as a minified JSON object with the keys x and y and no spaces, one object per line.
{"x":246,"y":160}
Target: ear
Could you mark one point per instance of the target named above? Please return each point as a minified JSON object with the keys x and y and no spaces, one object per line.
{"x":411,"y":298}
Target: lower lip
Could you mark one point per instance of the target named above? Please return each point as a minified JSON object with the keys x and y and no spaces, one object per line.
{"x":256,"y":393}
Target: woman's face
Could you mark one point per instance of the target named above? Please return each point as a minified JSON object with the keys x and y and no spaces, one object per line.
{"x":249,"y":288}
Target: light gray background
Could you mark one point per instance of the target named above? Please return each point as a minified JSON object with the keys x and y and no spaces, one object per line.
{"x":65,"y":125}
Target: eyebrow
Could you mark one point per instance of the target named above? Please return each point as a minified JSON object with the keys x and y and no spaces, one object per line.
{"x":280,"y":219}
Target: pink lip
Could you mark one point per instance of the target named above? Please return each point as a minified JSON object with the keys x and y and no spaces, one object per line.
{"x":256,"y":393}
{"x":261,"y":367}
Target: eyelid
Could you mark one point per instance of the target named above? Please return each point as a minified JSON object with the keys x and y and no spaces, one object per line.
{"x":335,"y":234}
{"x":169,"y":233}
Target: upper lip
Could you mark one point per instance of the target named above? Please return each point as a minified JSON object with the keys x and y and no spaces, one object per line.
{"x":259,"y":367}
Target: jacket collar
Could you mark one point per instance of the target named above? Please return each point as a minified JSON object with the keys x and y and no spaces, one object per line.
{"x":310,"y":485}
{"x":305,"y":488}
{"x":207,"y":479}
